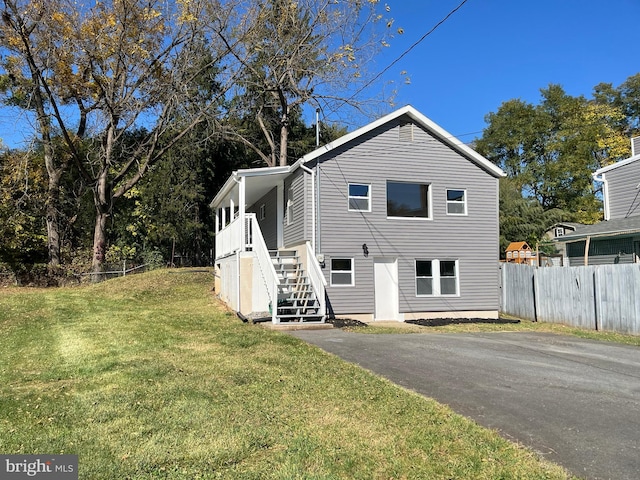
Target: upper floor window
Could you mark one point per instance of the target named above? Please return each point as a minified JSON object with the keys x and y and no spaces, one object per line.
{"x":559,"y":231}
{"x":262,"y":212}
{"x":359,"y":197}
{"x":408,"y":200}
{"x":456,"y":202}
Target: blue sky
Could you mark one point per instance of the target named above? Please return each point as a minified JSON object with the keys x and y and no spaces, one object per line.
{"x":491,"y":51}
{"x":488,"y":52}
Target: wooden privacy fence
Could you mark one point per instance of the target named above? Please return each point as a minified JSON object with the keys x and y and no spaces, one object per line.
{"x":603,"y":297}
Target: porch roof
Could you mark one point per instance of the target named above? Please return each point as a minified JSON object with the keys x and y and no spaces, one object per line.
{"x":258,"y":182}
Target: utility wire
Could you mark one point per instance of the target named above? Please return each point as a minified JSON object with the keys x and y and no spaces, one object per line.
{"x":382,"y":72}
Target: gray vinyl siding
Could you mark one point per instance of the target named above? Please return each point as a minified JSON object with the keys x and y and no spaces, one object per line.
{"x":623,"y":194}
{"x":299,"y":229}
{"x":269,"y":225}
{"x":471,"y":239}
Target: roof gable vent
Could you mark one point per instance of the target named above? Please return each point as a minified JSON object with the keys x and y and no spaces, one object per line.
{"x":635,"y":146}
{"x":406,"y":132}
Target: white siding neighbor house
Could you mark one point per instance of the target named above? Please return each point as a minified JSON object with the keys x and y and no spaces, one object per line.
{"x":397,"y":220}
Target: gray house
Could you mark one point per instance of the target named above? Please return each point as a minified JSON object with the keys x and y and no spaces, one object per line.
{"x":617,"y":238}
{"x":397,"y":220}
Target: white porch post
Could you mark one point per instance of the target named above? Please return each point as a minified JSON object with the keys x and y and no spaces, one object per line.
{"x":241,"y":213}
{"x":224,"y":216}
{"x":280,"y":213}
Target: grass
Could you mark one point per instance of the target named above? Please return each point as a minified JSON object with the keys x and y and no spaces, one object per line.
{"x":148,"y":377}
{"x":521,"y":326}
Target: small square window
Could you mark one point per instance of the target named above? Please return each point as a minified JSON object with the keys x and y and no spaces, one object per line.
{"x":456,"y":202}
{"x":342,"y":274}
{"x":359,"y":197}
{"x":559,"y":232}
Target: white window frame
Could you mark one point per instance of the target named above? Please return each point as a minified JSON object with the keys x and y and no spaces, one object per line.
{"x":350,"y":197}
{"x":559,"y":232}
{"x":352,"y":271}
{"x":429,"y":201}
{"x":455,"y":202}
{"x":436,"y":278}
{"x":417,"y":277}
{"x":456,"y":277}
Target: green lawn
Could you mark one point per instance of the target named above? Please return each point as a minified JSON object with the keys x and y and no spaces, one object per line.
{"x":148,"y":377}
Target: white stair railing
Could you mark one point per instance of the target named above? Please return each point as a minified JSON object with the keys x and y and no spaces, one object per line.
{"x":317,"y":280}
{"x":255,"y":243}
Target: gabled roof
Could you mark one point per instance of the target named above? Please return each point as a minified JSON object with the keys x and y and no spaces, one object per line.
{"x":518,"y":246}
{"x":435,"y":130}
{"x":613,"y":166}
{"x":607,"y":228}
{"x":260,"y":186}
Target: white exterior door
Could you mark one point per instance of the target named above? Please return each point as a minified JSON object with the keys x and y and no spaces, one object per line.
{"x":385,"y":273}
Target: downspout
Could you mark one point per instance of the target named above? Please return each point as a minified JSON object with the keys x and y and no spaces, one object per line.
{"x":313,"y":206}
{"x":317,"y":169}
{"x":605,"y":194}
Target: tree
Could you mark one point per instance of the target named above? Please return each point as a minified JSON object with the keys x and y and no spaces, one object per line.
{"x":23,"y":188}
{"x":289,"y":54}
{"x":32,"y":36}
{"x":551,"y":149}
{"x":129,"y":69}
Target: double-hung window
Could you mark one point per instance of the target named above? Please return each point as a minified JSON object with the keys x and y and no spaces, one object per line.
{"x":342,"y":272}
{"x":359,"y":197}
{"x":437,"y":278}
{"x":408,"y":200}
{"x":456,"y":202}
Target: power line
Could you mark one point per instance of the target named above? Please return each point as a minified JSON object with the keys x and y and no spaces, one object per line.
{"x":383,"y":71}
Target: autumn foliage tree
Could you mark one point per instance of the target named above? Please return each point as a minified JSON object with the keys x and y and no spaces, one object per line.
{"x":96,"y":73}
{"x":288,"y":55}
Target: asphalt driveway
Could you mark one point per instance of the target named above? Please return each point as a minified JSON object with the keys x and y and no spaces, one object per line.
{"x":575,"y":401}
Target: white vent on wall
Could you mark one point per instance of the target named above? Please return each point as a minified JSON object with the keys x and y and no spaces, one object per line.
{"x":635,"y":146}
{"x":406,"y":132}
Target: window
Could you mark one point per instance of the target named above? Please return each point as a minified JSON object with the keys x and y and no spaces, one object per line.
{"x":342,"y":274}
{"x":456,"y":202}
{"x":262,"y":211}
{"x":448,"y":277}
{"x":290,"y":206}
{"x":436,"y":278}
{"x":559,"y":231}
{"x":359,"y":197}
{"x":408,"y":200}
{"x":424,"y":277}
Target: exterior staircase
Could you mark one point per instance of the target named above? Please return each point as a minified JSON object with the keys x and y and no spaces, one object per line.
{"x":297,"y":302}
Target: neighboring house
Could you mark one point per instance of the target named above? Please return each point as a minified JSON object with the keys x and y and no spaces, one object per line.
{"x":617,"y":238}
{"x":397,"y":220}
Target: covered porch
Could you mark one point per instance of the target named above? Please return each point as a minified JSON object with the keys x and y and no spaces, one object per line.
{"x":256,"y":279}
